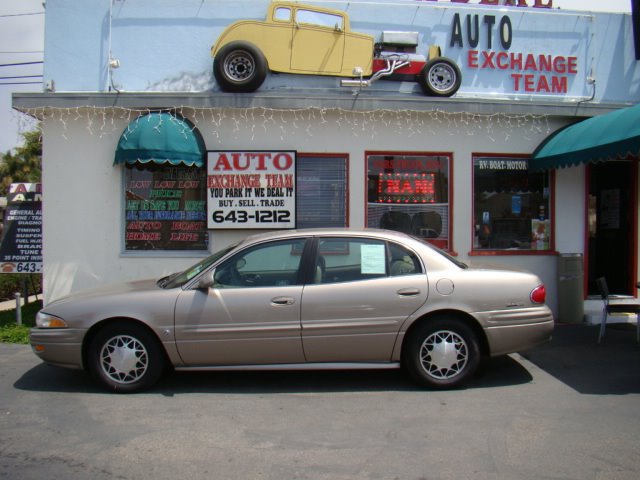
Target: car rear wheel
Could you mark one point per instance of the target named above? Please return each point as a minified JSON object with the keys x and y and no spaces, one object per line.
{"x":440,"y":77}
{"x":442,"y":353}
{"x":126,"y":357}
{"x":239,"y":67}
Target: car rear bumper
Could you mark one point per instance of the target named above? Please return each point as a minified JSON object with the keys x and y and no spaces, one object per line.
{"x":514,"y":331}
{"x":61,"y":347}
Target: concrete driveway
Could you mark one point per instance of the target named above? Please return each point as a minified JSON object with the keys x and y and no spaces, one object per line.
{"x":569,"y":409}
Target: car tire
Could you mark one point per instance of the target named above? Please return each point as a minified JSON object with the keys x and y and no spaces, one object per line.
{"x":126,"y":357}
{"x":440,"y":77}
{"x":442,"y":353}
{"x":239,"y":67}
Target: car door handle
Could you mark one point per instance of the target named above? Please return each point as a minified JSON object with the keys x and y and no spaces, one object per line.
{"x":409,"y":292}
{"x":283,"y":301}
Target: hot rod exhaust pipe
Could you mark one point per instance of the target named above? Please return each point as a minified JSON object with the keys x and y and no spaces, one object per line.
{"x":392,"y":66}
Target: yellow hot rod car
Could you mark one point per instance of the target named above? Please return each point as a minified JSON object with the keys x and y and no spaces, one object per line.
{"x":303,"y":39}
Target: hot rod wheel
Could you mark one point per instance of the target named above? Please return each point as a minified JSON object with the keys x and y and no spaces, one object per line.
{"x":239,"y":67}
{"x":440,"y":77}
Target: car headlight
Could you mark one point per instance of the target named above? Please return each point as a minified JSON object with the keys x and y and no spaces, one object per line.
{"x":44,"y":320}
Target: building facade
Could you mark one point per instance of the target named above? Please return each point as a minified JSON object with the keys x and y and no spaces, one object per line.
{"x":151,"y":161}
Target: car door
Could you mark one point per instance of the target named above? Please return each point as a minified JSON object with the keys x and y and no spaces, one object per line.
{"x":318,"y":42}
{"x":362,"y":292}
{"x":251,"y":315}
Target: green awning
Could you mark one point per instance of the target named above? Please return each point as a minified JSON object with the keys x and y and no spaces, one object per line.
{"x":161,"y":138}
{"x":612,"y":136}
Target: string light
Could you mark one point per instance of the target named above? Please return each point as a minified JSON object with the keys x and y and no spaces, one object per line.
{"x":312,"y":121}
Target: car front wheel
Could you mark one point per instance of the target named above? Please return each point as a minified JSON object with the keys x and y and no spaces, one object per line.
{"x":239,"y":67}
{"x":126,"y":357}
{"x":442,"y":353}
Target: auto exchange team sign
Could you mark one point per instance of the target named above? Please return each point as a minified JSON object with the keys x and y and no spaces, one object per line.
{"x":251,"y":189}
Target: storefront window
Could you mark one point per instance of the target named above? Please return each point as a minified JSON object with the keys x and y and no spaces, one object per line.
{"x":321,"y":191}
{"x":511,"y":205}
{"x":410,"y":193}
{"x":165,"y":207}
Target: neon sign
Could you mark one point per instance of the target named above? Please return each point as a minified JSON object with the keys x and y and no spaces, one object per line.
{"x":406,"y":188}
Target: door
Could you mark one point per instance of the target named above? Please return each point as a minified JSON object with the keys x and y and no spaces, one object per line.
{"x":612,"y":226}
{"x":318,"y":42}
{"x":363,"y":291}
{"x":252,"y":313}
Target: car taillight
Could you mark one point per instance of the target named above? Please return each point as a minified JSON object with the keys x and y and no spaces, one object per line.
{"x":539,"y":294}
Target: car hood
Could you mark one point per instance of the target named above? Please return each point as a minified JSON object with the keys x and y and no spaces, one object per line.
{"x":143,"y":300}
{"x":148,"y":284}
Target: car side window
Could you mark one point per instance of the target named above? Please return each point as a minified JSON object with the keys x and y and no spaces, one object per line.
{"x":266,"y":265}
{"x":282,"y":14}
{"x":320,"y":19}
{"x":403,"y":261}
{"x":350,"y":259}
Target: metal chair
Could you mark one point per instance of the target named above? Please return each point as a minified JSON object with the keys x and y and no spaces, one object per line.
{"x":609,"y":308}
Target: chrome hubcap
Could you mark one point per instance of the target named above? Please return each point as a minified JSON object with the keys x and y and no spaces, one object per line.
{"x":442,"y":77}
{"x":444,"y":354}
{"x":124,"y":359}
{"x":239,"y":66}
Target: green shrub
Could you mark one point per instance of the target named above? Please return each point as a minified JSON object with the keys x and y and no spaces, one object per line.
{"x":14,"y":334}
{"x":10,"y":332}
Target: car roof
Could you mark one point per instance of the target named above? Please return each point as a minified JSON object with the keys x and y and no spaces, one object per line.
{"x":378,"y":233}
{"x":334,"y":232}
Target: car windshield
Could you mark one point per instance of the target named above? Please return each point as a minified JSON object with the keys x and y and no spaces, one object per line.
{"x":178,"y":279}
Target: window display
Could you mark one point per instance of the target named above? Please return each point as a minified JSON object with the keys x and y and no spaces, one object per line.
{"x":165,"y":208}
{"x":511,"y":205}
{"x":410,"y":193}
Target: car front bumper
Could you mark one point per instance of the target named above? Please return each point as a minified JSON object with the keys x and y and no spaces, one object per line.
{"x":58,"y":346}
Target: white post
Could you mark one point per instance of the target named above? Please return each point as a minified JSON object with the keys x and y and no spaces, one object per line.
{"x":18,"y":309}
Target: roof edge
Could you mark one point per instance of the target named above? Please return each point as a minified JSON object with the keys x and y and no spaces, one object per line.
{"x":31,"y":102}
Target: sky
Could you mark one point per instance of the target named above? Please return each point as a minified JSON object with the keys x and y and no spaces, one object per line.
{"x":22,"y":41}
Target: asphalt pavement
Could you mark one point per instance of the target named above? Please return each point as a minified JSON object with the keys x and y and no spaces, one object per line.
{"x":568,"y":409}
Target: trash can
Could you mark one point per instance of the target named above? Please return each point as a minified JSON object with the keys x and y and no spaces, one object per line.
{"x":570,"y":288}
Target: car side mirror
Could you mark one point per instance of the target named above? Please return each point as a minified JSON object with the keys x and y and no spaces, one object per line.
{"x":206,"y":281}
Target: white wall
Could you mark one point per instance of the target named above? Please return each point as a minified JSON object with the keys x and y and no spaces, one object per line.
{"x":83,"y":219}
